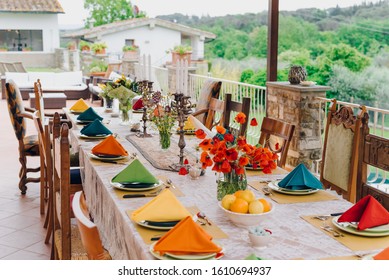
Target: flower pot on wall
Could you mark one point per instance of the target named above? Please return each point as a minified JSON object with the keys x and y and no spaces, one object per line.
{"x":130,"y":55}
{"x":177,"y":56}
{"x":100,"y":52}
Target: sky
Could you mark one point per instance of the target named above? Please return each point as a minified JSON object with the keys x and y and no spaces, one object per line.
{"x":75,"y":13}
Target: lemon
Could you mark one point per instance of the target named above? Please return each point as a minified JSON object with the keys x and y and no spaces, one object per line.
{"x":256,"y":207}
{"x":247,"y":195}
{"x":227,"y":200}
{"x":239,"y":206}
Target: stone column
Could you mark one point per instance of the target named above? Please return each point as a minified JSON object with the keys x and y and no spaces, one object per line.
{"x":172,"y":77}
{"x":299,"y":105}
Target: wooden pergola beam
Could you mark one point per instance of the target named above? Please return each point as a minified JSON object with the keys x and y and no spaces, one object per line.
{"x":272,"y":40}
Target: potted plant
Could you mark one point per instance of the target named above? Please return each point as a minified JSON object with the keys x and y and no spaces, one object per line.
{"x":99,"y":48}
{"x":181,"y":52}
{"x":26,"y":49}
{"x":3,"y":48}
{"x":71,"y":46}
{"x":85,"y":46}
{"x":130,"y":52}
{"x":98,"y":68}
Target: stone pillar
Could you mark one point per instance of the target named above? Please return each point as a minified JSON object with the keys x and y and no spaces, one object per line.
{"x":128,"y":65}
{"x":172,"y":77}
{"x":299,"y":105}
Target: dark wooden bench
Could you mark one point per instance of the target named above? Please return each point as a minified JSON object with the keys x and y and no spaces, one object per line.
{"x":53,"y":100}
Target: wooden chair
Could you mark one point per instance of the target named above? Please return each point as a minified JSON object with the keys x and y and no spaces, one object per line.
{"x":373,"y":154}
{"x":28,"y":145}
{"x":339,"y":161}
{"x":273,"y":131}
{"x":209,"y":90}
{"x":232,"y":107}
{"x":89,"y":233}
{"x":67,"y":240}
{"x":215,"y":106}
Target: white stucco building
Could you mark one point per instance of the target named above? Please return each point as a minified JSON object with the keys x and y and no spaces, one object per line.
{"x":155,"y":37}
{"x":29,"y":25}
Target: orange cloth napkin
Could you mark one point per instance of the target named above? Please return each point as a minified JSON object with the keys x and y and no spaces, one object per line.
{"x":109,"y":146}
{"x":79,"y":106}
{"x":368,"y":212}
{"x":187,"y":237}
{"x":383,"y":255}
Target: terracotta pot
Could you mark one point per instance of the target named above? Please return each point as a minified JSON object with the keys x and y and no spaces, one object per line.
{"x":100,"y":52}
{"x":130,"y":55}
{"x":177,"y":56}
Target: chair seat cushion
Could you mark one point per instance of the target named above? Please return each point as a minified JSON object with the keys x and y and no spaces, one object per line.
{"x":31,"y":145}
{"x":75,"y":176}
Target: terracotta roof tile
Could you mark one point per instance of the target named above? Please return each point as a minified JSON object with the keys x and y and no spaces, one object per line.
{"x":31,"y":6}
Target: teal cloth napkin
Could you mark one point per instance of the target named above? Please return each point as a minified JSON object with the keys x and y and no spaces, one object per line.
{"x":300,"y":179}
{"x":95,"y":128}
{"x":135,"y":172}
{"x":89,"y":115}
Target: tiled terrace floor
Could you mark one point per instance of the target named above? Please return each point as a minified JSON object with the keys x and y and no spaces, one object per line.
{"x":21,"y":225}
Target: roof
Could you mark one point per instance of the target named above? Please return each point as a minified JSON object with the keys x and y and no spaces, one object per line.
{"x":31,"y":6}
{"x":134,"y":23}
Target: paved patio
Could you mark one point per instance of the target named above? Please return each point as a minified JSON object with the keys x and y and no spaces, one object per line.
{"x":21,"y":225}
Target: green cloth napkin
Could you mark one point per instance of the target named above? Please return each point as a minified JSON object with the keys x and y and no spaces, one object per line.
{"x":95,"y":128}
{"x":135,"y":172}
{"x":300,"y":179}
{"x":252,"y":257}
{"x":89,"y":115}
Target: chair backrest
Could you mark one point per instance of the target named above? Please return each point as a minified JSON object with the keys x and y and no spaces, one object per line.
{"x":373,"y":165}
{"x":210,"y":89}
{"x":231,"y":107}
{"x":19,"y":67}
{"x":274,"y":131}
{"x":10,"y":67}
{"x":89,"y":233}
{"x":61,"y":172}
{"x":39,"y":101}
{"x":15,"y":109}
{"x":340,"y":150}
{"x":113,"y":67}
{"x":215,"y":106}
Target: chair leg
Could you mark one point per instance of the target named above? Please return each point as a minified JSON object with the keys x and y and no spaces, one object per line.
{"x":23,"y":175}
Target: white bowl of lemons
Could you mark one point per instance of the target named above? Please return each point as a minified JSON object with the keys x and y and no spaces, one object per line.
{"x":244,"y":209}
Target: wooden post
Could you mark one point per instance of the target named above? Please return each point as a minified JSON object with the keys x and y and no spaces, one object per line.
{"x":272,"y":40}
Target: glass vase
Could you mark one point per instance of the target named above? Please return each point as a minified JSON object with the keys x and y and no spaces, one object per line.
{"x":108,"y":104}
{"x":126,"y":114}
{"x":164,"y":139}
{"x":229,"y":183}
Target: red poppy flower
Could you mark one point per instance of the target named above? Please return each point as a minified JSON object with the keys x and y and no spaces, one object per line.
{"x":241,"y":141}
{"x":186,"y":161}
{"x":277,"y":146}
{"x":229,"y":137}
{"x":183,"y":171}
{"x":231,"y":154}
{"x":226,"y":167}
{"x":200,"y":134}
{"x":206,"y":144}
{"x":240,"y":118}
{"x":220,"y":129}
{"x":239,"y":171}
{"x":205,"y":159}
{"x":243,"y":161}
{"x":253,"y":122}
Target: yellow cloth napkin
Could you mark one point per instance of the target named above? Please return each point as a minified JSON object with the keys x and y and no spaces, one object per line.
{"x":164,"y":207}
{"x":79,"y":106}
{"x":109,"y":146}
{"x":185,"y":238}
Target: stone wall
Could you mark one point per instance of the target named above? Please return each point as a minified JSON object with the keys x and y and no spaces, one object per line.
{"x":31,"y":59}
{"x":298,"y":105}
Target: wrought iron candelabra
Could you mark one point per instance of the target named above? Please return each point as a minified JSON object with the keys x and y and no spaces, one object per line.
{"x":181,"y":105}
{"x":146,"y":89}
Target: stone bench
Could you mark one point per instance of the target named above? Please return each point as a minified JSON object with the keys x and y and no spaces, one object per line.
{"x":52,"y":100}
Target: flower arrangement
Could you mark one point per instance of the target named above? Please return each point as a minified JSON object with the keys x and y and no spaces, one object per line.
{"x":226,"y":153}
{"x":130,"y":48}
{"x":163,"y":118}
{"x":229,"y":155}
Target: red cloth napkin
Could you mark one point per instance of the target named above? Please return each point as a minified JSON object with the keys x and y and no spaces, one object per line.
{"x":383,"y":255}
{"x":368,"y":212}
{"x":138,"y":104}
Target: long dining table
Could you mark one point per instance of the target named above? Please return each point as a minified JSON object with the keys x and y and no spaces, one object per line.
{"x":292,"y":236}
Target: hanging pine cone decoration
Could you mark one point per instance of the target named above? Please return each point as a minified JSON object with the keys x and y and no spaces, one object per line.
{"x":297,"y":74}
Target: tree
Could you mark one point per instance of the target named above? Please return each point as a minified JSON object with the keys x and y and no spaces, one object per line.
{"x":103,"y":12}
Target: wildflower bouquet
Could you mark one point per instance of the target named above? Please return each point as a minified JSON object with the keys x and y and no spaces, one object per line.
{"x":163,"y":119}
